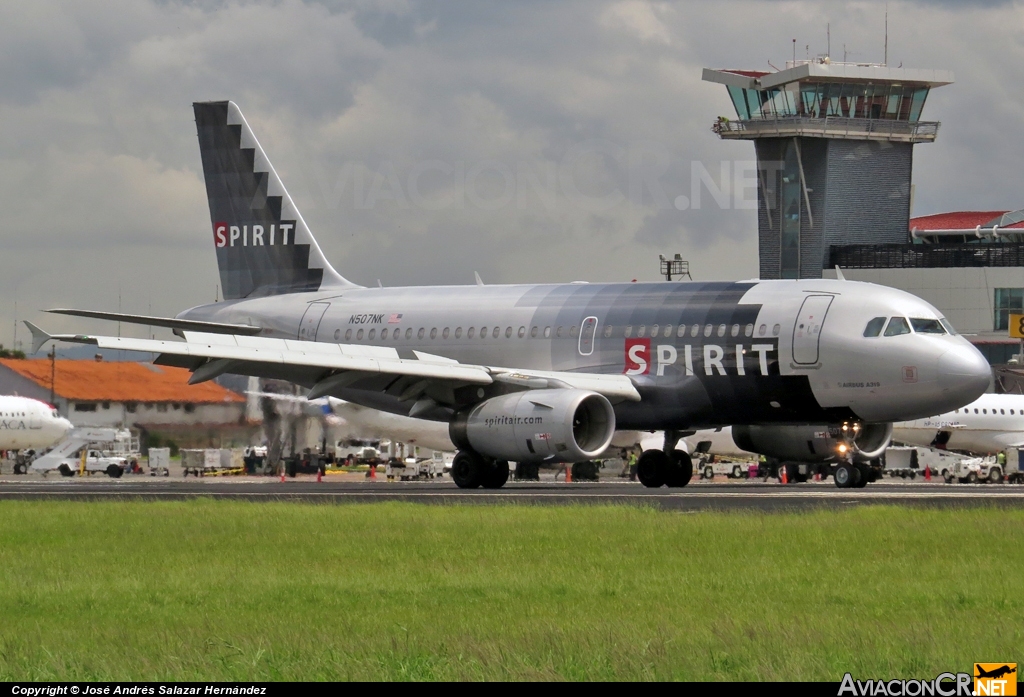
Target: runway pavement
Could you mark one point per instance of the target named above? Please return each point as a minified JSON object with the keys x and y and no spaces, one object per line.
{"x":764,"y":496}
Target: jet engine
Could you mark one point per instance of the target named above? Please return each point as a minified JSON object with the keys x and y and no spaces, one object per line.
{"x":561,"y":425}
{"x":815,"y":443}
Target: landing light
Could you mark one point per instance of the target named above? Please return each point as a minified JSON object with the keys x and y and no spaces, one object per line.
{"x":842,"y":448}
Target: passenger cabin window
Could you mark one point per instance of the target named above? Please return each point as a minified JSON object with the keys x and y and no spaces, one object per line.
{"x":641,"y":331}
{"x":681,"y":331}
{"x":433,"y":333}
{"x":749,"y":330}
{"x":874,"y":327}
{"x":776,"y":329}
{"x":359,"y":335}
{"x":667,"y":331}
{"x":654,"y":329}
{"x":458,"y":332}
{"x":444,"y":333}
{"x":470,"y":332}
{"x":522,"y":332}
{"x":694,"y":330}
{"x":408,"y":333}
{"x":495,"y":332}
{"x":383,"y":334}
{"x":547,"y":332}
{"x":927,"y":326}
{"x":508,"y":332}
{"x":348,"y":334}
{"x":735,"y":330}
{"x":897,"y":326}
{"x":373,"y":332}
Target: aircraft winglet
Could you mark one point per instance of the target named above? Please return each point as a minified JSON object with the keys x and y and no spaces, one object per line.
{"x":479,"y":281}
{"x":39,"y":337}
{"x":839,"y":274}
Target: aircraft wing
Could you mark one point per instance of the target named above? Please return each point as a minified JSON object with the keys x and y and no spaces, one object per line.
{"x":328,"y":367}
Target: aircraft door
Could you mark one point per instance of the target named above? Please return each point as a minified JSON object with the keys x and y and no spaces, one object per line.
{"x":311,"y":321}
{"x":807,"y":330}
{"x":587,"y":333}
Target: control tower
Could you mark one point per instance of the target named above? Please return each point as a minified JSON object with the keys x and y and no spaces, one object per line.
{"x":834,"y":144}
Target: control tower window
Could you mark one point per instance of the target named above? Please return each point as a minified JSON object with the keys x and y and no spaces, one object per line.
{"x":897,"y":326}
{"x":874,"y":327}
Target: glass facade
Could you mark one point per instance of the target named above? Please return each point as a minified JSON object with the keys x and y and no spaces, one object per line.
{"x":1007,"y":301}
{"x":890,"y":101}
{"x":790,"y":192}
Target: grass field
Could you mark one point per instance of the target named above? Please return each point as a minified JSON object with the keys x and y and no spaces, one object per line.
{"x":227,"y":590}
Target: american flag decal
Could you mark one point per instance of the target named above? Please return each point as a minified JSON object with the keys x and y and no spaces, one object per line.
{"x":395,"y":319}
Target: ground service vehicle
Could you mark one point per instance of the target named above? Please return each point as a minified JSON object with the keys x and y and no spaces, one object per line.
{"x":107,"y":450}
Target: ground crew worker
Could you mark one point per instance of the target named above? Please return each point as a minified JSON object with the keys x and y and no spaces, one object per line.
{"x":632,"y":465}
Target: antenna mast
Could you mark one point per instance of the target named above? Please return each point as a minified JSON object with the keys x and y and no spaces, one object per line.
{"x":886,"y":61}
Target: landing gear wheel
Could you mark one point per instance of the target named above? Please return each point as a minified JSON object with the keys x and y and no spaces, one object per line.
{"x":651,"y":467}
{"x":678,"y":469}
{"x":846,"y":476}
{"x":467,"y":470}
{"x":66,"y":471}
{"x":865,"y":476}
{"x":496,"y":475}
{"x":114,"y":472}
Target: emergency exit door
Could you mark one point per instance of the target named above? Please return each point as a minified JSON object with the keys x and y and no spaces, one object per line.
{"x":311,"y":321}
{"x":587,"y":331}
{"x":807,"y":331}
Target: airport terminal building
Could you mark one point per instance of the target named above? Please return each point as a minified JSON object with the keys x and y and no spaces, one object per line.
{"x":127,"y":394}
{"x":834,"y":145}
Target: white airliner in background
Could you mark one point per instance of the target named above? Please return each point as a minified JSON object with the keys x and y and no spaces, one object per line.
{"x":990,"y":424}
{"x":29,"y":423}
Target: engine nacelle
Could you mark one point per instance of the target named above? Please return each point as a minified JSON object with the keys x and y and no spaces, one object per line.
{"x":561,"y":425}
{"x":814,"y":443}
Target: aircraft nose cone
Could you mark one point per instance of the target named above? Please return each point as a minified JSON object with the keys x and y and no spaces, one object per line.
{"x":963,"y":371}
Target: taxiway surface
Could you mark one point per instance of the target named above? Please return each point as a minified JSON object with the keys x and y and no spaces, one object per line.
{"x":696,"y":496}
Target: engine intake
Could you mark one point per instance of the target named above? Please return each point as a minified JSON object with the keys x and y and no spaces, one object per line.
{"x":564,"y":425}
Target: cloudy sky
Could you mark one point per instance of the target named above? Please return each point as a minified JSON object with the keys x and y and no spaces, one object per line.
{"x":529,"y":141}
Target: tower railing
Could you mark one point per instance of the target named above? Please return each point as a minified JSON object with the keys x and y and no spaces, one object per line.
{"x":924,"y":256}
{"x":827,"y":127}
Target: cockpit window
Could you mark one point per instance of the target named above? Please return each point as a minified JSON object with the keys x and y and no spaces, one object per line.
{"x":897,"y":326}
{"x":949,"y":327}
{"x":927,"y":326}
{"x":874,"y":327}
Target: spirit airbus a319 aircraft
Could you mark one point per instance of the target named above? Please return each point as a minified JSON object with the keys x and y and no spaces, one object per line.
{"x":534,"y":373}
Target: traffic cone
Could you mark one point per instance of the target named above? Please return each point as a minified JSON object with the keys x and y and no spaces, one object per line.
{"x":282,"y":475}
{"x":783,"y":476}
{"x":373,"y":473}
{"x":568,"y":474}
{"x":927,"y":473}
{"x":319,"y":476}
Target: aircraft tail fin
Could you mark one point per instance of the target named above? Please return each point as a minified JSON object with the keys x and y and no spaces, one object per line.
{"x":263,"y":245}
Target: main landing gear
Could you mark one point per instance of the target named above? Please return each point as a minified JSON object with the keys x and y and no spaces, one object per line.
{"x":670,"y":466}
{"x":853,"y":475}
{"x":471,"y":470}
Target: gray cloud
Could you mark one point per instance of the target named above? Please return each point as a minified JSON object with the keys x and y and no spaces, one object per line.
{"x":424,"y":140}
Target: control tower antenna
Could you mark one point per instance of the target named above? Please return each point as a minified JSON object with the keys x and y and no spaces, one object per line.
{"x":886,"y":58}
{"x":828,"y":40}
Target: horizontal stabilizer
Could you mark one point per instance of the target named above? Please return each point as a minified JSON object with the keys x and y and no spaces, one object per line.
{"x":188,"y":325}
